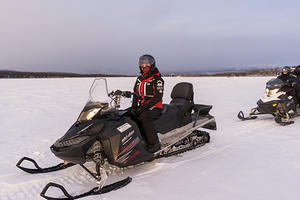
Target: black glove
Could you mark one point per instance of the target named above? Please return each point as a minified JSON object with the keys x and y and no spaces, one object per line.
{"x":133,"y":111}
{"x":139,"y":111}
{"x":118,"y":92}
{"x":136,"y":111}
{"x":127,"y":94}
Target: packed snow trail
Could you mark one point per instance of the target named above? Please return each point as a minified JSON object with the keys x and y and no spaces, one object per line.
{"x":256,"y":159}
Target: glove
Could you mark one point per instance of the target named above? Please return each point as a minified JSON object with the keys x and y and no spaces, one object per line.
{"x":133,"y":112}
{"x":136,"y":111}
{"x":139,"y":111}
{"x":118,"y":92}
{"x":127,"y":94}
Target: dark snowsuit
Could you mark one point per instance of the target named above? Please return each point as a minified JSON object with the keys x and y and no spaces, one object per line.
{"x":293,"y":86}
{"x":149,"y":106}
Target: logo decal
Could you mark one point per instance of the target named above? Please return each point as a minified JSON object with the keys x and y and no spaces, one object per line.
{"x":124,"y":127}
{"x":126,"y":138}
{"x":159,"y":83}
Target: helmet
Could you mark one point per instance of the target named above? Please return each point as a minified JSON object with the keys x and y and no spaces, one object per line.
{"x":147,"y":59}
{"x":285,"y":70}
{"x":293,"y":68}
{"x":297,"y":70}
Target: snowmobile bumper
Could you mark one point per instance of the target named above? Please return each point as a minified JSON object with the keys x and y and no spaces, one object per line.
{"x":75,"y":153}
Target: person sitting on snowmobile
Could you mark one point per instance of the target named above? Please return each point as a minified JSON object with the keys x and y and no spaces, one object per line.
{"x":292,"y":83}
{"x":297,"y":72}
{"x":148,"y":106}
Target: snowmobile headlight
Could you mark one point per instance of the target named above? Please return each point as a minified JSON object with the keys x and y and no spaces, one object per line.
{"x":271,"y":92}
{"x":267,"y":91}
{"x":88,"y":115}
{"x":92,"y":113}
{"x":274,"y":91}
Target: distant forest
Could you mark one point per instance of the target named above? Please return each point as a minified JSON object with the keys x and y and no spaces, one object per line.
{"x":19,"y":74}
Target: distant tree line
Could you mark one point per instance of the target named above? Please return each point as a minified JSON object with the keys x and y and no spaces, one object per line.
{"x":258,"y":72}
{"x":18,"y":74}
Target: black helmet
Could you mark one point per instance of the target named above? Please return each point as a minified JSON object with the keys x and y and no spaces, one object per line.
{"x":147,"y":59}
{"x":297,"y":70}
{"x":285,"y":70}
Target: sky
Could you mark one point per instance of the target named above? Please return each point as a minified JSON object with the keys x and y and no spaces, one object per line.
{"x":97,"y":36}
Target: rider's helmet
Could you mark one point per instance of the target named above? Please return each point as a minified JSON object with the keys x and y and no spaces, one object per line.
{"x":285,"y":70}
{"x":146,"y":63}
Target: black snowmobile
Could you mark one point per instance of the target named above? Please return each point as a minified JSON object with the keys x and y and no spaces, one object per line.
{"x":107,"y":135}
{"x":276,"y":102}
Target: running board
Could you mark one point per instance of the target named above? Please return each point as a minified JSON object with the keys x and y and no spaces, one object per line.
{"x":175,"y":135}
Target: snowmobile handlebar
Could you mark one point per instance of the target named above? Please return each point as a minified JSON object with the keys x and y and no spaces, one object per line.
{"x":126,"y":94}
{"x":116,"y":96}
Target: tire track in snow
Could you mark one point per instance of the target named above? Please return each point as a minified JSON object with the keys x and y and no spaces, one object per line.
{"x":210,"y":149}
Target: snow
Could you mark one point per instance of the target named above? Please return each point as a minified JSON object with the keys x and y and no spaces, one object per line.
{"x":256,"y":159}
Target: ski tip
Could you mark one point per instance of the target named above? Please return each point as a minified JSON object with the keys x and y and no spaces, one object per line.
{"x":241,"y":115}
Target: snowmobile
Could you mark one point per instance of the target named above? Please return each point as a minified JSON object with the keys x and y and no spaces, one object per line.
{"x":276,"y":102}
{"x":107,"y":135}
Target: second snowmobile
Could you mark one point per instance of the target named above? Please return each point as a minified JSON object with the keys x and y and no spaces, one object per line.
{"x":276,"y":102}
{"x":107,"y":135}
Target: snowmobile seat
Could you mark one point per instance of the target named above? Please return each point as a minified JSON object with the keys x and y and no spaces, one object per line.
{"x":202,"y":109}
{"x":167,"y":120}
{"x":183,"y":96}
{"x":178,"y":112}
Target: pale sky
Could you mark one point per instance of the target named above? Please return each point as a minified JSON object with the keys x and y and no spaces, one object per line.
{"x":108,"y":36}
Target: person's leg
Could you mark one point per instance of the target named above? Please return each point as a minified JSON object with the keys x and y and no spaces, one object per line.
{"x":147,"y":117}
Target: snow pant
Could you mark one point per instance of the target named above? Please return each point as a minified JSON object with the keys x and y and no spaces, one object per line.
{"x":146,"y":118}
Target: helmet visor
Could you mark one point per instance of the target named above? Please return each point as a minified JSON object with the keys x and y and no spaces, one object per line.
{"x":145,"y":65}
{"x":146,"y":60}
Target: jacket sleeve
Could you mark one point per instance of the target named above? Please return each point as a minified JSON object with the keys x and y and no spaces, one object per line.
{"x":134,"y":98}
{"x":158,"y":93}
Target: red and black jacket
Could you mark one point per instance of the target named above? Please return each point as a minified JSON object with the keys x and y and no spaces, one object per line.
{"x":150,"y":90}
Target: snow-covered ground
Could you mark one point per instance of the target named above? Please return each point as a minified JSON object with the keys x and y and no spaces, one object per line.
{"x":245,"y":160}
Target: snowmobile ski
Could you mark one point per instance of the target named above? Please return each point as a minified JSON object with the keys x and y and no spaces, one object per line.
{"x":38,"y":169}
{"x":242,"y":117}
{"x":94,"y":191}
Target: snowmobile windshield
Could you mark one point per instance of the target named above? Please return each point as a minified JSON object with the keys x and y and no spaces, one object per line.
{"x":275,"y":83}
{"x":98,"y":102}
{"x":99,"y":91}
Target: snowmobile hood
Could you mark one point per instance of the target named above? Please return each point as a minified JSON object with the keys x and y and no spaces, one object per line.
{"x":72,"y":147}
{"x":80,"y":132}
